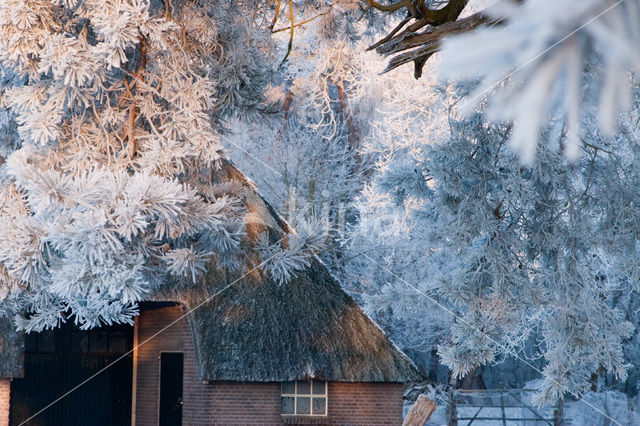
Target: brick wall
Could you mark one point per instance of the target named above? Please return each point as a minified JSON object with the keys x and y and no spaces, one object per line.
{"x":232,"y":403}
{"x":366,"y":403}
{"x":177,"y":338}
{"x":5,"y":389}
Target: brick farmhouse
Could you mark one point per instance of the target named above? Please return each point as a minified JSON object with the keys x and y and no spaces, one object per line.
{"x":224,"y":351}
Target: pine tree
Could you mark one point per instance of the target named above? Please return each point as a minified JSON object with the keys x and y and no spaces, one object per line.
{"x":517,"y":252}
{"x":110,"y":121}
{"x":515,"y":212}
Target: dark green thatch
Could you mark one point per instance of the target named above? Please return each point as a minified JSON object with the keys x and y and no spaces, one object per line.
{"x":258,"y":330}
{"x":11,"y":349}
{"x":309,"y":327}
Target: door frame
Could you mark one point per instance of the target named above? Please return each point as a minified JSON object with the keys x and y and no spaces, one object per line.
{"x":134,"y":372}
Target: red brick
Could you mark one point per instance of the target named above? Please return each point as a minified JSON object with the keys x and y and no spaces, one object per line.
{"x":235,"y":403}
{"x":5,"y":390}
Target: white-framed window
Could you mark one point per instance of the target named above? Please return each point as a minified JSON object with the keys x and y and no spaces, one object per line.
{"x":304,"y":398}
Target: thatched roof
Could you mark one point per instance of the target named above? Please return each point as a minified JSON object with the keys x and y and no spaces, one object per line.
{"x":309,"y":327}
{"x":259,"y":330}
{"x":11,"y":349}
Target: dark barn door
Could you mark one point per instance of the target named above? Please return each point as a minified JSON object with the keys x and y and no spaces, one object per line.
{"x":57,"y":361}
{"x":171,"y":388}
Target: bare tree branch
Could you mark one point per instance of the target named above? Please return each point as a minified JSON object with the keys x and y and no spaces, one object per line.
{"x":439,"y":23}
{"x":390,"y":8}
{"x":425,"y":44}
{"x":404,"y":22}
{"x":293,"y":25}
{"x":304,"y":22}
{"x":275,"y":16}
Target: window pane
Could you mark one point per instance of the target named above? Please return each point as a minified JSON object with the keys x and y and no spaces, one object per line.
{"x":287,"y":405}
{"x":319,"y":406}
{"x":319,"y":387}
{"x":80,"y":341}
{"x":304,"y":387}
{"x":98,"y":341}
{"x":118,"y":342}
{"x":289,"y":387}
{"x":304,"y":405}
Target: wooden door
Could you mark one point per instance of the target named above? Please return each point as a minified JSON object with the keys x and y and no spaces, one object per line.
{"x":171,"y":372}
{"x":57,"y":361}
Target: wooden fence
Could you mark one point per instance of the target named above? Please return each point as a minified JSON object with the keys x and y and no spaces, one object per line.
{"x":506,"y":407}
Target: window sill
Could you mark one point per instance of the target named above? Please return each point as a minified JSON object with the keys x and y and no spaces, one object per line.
{"x":304,"y":420}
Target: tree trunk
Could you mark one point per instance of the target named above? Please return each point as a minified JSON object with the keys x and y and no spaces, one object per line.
{"x":452,"y":415}
{"x":420,"y":412}
{"x":558,"y":413}
{"x":468,"y":380}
